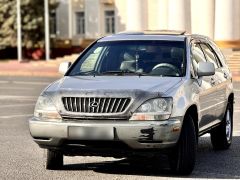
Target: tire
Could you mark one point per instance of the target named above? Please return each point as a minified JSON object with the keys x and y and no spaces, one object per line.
{"x":54,"y":160}
{"x":182,"y":158}
{"x":221,"y":136}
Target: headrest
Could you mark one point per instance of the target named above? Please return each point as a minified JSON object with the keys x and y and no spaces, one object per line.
{"x":128,"y":57}
{"x":128,"y":66}
{"x":177,"y":53}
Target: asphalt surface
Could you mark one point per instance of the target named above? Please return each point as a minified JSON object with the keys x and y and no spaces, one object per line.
{"x":21,"y":158}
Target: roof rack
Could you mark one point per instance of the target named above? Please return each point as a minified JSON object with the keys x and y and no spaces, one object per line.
{"x":153,"y":32}
{"x":131,"y":33}
{"x":164,"y":32}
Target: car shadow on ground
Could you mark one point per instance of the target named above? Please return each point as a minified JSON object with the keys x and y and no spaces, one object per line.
{"x":210,"y":164}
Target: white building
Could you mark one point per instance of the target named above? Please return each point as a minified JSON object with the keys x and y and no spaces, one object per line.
{"x":76,"y":21}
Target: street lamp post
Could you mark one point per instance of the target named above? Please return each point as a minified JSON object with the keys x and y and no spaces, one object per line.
{"x":70,"y":18}
{"x":47,"y":40}
{"x":19,"y":33}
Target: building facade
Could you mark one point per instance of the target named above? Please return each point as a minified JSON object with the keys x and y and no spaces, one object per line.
{"x":76,"y":21}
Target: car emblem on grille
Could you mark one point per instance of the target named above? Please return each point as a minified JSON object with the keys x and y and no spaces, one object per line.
{"x":94,"y":104}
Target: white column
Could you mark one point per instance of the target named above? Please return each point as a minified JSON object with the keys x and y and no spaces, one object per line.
{"x":162,"y":14}
{"x":236,"y":21}
{"x":121,"y":15}
{"x":70,"y":25}
{"x":135,"y":15}
{"x":176,"y":15}
{"x":19,"y":29}
{"x":224,"y":20}
{"x":47,"y":37}
{"x":202,"y":17}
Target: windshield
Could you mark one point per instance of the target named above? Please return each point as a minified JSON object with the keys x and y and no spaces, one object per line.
{"x":149,"y":58}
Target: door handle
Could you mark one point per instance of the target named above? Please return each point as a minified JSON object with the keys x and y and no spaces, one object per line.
{"x":225,"y":75}
{"x":213,"y":81}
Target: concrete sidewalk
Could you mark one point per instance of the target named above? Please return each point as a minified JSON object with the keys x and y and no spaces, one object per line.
{"x":30,"y":68}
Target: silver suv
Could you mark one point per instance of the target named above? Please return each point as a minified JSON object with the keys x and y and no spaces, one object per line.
{"x":138,"y":94}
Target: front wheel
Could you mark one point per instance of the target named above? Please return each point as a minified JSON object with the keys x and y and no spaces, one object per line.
{"x":182,"y":158}
{"x":54,"y":160}
{"x":221,"y":136}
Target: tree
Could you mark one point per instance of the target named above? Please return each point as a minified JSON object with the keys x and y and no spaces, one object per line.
{"x":32,"y":12}
{"x":7,"y":23}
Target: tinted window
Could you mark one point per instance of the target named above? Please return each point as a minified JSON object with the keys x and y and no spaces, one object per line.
{"x":153,"y":58}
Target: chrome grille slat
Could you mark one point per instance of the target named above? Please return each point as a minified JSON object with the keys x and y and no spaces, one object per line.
{"x":112,"y":105}
{"x":108,"y":103}
{"x":102,"y":109}
{"x":88,"y":107}
{"x":75,"y":104}
{"x":65,"y":103}
{"x":97,"y":110}
{"x":117,"y":105}
{"x":84,"y":105}
{"x":79,"y":104}
{"x":95,"y":104}
{"x":70,"y":102}
{"x":123,"y":104}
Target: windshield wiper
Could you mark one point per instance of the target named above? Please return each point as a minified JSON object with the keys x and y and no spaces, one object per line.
{"x":113,"y":72}
{"x":92,"y":72}
{"x":124,"y":73}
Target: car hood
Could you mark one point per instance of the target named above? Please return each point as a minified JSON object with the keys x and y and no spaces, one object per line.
{"x":114,"y":83}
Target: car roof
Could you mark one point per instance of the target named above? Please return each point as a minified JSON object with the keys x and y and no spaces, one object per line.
{"x":166,"y":35}
{"x":147,"y":35}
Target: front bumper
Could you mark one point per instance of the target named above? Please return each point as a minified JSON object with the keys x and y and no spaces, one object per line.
{"x":135,"y":134}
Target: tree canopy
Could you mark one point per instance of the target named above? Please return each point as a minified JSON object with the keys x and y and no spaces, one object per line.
{"x":32,"y":17}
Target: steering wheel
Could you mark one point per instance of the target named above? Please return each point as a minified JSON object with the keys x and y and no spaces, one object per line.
{"x":165,"y":69}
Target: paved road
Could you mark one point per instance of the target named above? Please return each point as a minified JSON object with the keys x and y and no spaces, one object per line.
{"x":21,"y":158}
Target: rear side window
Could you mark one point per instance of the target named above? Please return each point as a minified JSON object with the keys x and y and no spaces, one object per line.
{"x":210,"y":55}
{"x":217,"y":50}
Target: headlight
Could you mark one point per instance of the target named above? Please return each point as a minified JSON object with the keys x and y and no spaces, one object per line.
{"x":45,"y":109}
{"x":154,"y":109}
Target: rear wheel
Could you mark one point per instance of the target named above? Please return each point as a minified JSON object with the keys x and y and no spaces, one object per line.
{"x":221,"y":136}
{"x":54,"y":160}
{"x":182,"y":158}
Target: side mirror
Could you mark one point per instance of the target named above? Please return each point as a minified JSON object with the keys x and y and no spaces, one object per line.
{"x":63,"y":67}
{"x":205,"y":69}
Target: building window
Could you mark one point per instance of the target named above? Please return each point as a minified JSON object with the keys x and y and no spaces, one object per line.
{"x":53,"y":22}
{"x":80,"y":23}
{"x":109,"y":22}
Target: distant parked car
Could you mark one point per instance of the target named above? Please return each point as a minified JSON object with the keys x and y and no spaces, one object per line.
{"x":137,"y":94}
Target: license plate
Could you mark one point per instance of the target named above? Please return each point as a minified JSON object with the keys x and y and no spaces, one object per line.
{"x":91,"y":133}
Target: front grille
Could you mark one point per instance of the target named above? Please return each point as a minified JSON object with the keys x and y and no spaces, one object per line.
{"x":95,"y":105}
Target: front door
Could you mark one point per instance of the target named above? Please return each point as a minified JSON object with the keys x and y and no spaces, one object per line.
{"x":208,"y":89}
{"x":222,"y":80}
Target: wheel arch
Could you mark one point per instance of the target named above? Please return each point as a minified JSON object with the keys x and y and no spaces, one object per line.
{"x":193,"y":112}
{"x":231,"y":99}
